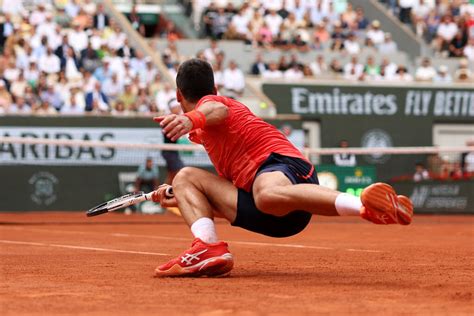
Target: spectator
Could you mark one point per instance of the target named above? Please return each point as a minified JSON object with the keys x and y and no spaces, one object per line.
{"x":219,"y":23}
{"x":52,"y":97}
{"x":20,"y":107}
{"x":45,"y":109}
{"x":447,"y":29}
{"x":165,"y":96}
{"x":136,"y":21}
{"x":421,"y":173}
{"x":321,"y":34}
{"x":101,"y":20}
{"x":467,"y":160}
{"x":388,"y":46}
{"x":212,"y":51}
{"x":371,"y":69}
{"x":208,"y":16}
{"x":272,"y":72}
{"x":72,"y":8}
{"x":49,"y":63}
{"x":456,"y":47}
{"x":319,"y":66}
{"x":294,"y":73}
{"x":128,"y":97}
{"x":375,"y":34}
{"x":18,"y":86}
{"x":344,"y":159}
{"x":96,"y":100}
{"x":259,"y":66}
{"x":240,"y":22}
{"x":125,"y":51}
{"x":5,"y":98}
{"x":388,"y":69}
{"x":112,"y":87}
{"x":463,"y":73}
{"x":89,"y":7}
{"x":103,"y":72}
{"x":71,"y":66}
{"x":6,"y":29}
{"x":72,"y":107}
{"x":116,"y":40}
{"x":273,"y":21}
{"x":147,"y":177}
{"x":78,"y":38}
{"x":426,"y":72}
{"x":89,"y":59}
{"x":336,"y":67}
{"x":38,"y":16}
{"x":402,"y":75}
{"x":405,"y":10}
{"x":234,"y":81}
{"x":351,"y":45}
{"x":353,"y":70}
{"x":443,"y":75}
{"x":468,"y":51}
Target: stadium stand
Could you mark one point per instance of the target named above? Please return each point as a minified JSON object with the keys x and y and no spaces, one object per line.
{"x":70,"y":58}
{"x":447,"y":25}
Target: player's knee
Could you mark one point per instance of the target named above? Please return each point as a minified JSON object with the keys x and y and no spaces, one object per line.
{"x":269,"y":201}
{"x":185,"y":176}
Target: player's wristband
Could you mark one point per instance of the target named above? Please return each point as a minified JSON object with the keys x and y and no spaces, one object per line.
{"x":197,"y":118}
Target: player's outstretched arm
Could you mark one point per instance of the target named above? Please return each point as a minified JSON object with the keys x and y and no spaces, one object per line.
{"x":209,"y":113}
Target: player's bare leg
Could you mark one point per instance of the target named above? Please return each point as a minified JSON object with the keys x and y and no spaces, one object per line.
{"x":202,"y":195}
{"x":275,"y":194}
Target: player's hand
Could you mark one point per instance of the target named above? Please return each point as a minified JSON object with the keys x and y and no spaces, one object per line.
{"x":174,"y":126}
{"x":160,"y":196}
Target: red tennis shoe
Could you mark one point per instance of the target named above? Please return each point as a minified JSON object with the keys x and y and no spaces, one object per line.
{"x":381,"y":205}
{"x":201,"y":260}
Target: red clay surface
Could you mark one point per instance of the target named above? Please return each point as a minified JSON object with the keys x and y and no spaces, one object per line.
{"x":60,"y":263}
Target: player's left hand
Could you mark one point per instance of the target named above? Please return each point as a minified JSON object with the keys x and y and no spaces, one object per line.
{"x":174,"y":126}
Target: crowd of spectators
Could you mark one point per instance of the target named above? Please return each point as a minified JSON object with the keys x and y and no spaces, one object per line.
{"x":292,"y":24}
{"x":230,"y":77}
{"x":358,"y":70}
{"x":448,"y":25}
{"x":72,"y":58}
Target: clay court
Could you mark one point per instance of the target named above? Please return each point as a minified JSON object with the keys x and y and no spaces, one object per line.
{"x":65,"y":263}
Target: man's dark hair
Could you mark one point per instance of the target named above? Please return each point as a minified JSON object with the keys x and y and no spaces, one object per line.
{"x":195,"y":79}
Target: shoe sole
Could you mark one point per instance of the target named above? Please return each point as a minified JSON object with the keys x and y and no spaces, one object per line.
{"x":405,"y":213}
{"x":213,"y":267}
{"x":382,"y":197}
{"x":379,"y":196}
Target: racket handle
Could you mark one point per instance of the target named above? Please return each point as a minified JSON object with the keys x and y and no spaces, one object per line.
{"x":169,"y":192}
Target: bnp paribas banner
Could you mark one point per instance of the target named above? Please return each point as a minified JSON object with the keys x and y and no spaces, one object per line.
{"x":64,"y":154}
{"x":374,"y":101}
{"x":56,"y":155}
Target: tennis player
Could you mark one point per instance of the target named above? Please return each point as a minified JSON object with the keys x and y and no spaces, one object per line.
{"x":264,"y":183}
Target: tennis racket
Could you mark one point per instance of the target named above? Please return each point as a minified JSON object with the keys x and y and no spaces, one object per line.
{"x":124,"y":201}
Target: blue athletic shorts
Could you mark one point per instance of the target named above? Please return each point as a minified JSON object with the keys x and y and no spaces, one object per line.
{"x":251,"y":218}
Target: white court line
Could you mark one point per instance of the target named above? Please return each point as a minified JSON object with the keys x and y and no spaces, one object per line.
{"x":29,"y":243}
{"x":250,"y":243}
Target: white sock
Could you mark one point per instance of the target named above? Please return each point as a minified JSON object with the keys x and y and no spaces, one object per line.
{"x":348,"y":204}
{"x":205,"y":230}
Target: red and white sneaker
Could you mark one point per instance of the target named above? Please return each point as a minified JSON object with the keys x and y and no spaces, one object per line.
{"x":381,"y":205}
{"x":201,"y":260}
